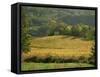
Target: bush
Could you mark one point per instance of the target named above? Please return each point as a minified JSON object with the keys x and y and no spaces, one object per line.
{"x":92,"y":56}
{"x":56,"y":59}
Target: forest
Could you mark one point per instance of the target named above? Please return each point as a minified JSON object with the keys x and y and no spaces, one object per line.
{"x":56,"y":37}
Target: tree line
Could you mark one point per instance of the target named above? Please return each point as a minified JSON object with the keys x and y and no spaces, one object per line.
{"x":54,"y":27}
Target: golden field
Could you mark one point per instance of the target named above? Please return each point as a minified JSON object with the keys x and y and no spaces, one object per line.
{"x":65,"y":47}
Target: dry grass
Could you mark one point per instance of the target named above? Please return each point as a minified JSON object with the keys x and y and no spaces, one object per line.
{"x":59,"y":46}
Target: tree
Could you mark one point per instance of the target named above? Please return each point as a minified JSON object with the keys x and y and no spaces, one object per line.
{"x":52,"y":26}
{"x":62,"y":28}
{"x":75,"y":30}
{"x":25,"y":36}
{"x":84,"y":30}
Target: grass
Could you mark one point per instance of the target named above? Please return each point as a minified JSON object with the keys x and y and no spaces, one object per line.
{"x":60,"y":42}
{"x":42,"y":66}
{"x":61,"y":48}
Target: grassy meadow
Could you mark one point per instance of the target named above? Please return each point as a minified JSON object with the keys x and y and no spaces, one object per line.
{"x":41,"y":66}
{"x":59,"y":51}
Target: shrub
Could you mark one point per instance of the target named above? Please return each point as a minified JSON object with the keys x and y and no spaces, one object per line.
{"x":92,"y":56}
{"x":56,"y":59}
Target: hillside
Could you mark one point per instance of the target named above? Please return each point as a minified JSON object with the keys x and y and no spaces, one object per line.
{"x":59,"y":48}
{"x":39,"y":16}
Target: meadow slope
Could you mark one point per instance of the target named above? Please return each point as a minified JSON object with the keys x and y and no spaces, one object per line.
{"x":59,"y":47}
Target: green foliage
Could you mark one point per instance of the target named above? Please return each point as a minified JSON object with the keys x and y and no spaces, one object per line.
{"x":87,"y":32}
{"x":92,"y":56}
{"x":90,"y":34}
{"x":75,"y":31}
{"x":56,"y":27}
{"x":56,"y":21}
{"x":25,"y":36}
{"x":55,"y":59}
{"x":52,"y":24}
